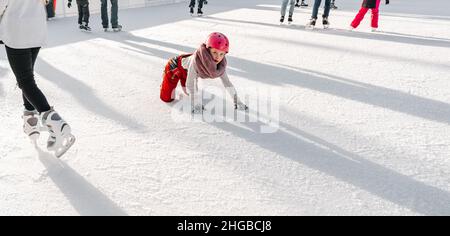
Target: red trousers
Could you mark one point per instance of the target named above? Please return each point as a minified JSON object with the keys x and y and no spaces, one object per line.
{"x":170,"y":80}
{"x":362,"y":12}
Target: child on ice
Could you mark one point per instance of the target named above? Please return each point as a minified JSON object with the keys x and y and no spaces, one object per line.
{"x":83,"y":14}
{"x":366,"y":5}
{"x":206,"y":62}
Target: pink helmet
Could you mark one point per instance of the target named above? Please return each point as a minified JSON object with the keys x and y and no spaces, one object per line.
{"x":218,"y":41}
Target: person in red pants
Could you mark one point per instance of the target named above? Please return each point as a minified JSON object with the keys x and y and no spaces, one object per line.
{"x":207,"y":62}
{"x":374,"y":5}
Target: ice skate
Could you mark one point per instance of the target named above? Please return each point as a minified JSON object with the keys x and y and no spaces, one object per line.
{"x":60,"y":139}
{"x":199,"y":12}
{"x":117,"y":28}
{"x":31,"y":124}
{"x":311,"y":24}
{"x":325,"y":23}
{"x":290,"y":19}
{"x":85,"y":27}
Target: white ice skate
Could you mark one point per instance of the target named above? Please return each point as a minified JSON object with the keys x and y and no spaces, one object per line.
{"x":31,"y":124}
{"x":60,"y":139}
{"x":117,"y":28}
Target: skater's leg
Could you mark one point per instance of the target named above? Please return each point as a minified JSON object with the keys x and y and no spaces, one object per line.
{"x":80,"y":12}
{"x":86,"y":13}
{"x":326,"y":12}
{"x":200,"y":4}
{"x":359,"y":17}
{"x":169,"y":83}
{"x":28,"y":106}
{"x":21,"y":61}
{"x":283,"y":7}
{"x":114,"y":14}
{"x":292,"y":8}
{"x":375,"y":15}
{"x":316,"y":6}
{"x":192,"y":4}
{"x":104,"y":9}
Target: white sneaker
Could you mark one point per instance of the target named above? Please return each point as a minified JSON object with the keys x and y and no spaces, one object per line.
{"x":61,"y":138}
{"x":31,"y":124}
{"x":374,"y":29}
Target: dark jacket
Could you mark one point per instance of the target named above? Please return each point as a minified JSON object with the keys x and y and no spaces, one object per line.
{"x":371,"y":3}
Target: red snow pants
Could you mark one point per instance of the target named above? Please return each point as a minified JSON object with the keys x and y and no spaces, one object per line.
{"x":362,"y":12}
{"x":171,"y":78}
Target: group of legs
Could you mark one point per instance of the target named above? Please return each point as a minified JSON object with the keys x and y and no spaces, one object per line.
{"x":315,"y":12}
{"x":329,"y":4}
{"x":199,"y":6}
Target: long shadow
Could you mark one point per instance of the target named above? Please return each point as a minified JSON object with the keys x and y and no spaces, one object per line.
{"x":372,"y":54}
{"x":85,"y":95}
{"x":86,"y":199}
{"x":280,"y":75}
{"x":416,"y":36}
{"x":416,"y":17}
{"x":332,"y":160}
{"x":406,"y":39}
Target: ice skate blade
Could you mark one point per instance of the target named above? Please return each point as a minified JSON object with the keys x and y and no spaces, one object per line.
{"x":66,"y":145}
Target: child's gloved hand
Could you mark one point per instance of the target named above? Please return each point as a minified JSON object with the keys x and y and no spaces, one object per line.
{"x":387,"y":2}
{"x":240,"y":106}
{"x":206,"y":2}
{"x":69,"y":5}
{"x":198,"y":109}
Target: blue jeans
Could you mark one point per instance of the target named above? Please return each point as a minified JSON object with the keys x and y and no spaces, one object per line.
{"x":317,"y":3}
{"x":284,"y":6}
{"x":114,"y":12}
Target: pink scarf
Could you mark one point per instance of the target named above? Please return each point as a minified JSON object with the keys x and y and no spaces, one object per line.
{"x":205,"y":65}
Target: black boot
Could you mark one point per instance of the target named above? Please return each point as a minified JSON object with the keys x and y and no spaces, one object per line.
{"x":290,"y":19}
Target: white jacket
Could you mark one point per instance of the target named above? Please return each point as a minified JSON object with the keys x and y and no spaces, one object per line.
{"x":23,"y":23}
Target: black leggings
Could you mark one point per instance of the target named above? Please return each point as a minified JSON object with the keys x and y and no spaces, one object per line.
{"x":83,"y":11}
{"x":22,"y":64}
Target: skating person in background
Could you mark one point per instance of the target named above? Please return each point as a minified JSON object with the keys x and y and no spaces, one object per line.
{"x":284,"y":5}
{"x":333,"y":5}
{"x":23,"y":29}
{"x":50,"y":7}
{"x":83,"y":14}
{"x":303,"y":4}
{"x":374,"y":5}
{"x":199,"y":9}
{"x":312,"y":22}
{"x":114,"y":16}
{"x":206,"y":62}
